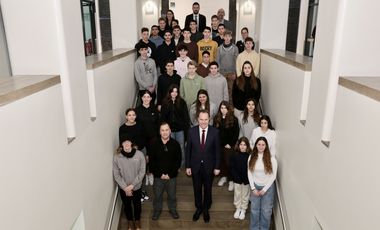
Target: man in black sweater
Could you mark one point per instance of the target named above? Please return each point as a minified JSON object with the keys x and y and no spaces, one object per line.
{"x":166,"y":51}
{"x":165,"y":160}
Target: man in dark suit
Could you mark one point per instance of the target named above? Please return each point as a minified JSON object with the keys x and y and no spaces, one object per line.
{"x":199,"y":18}
{"x":202,"y":162}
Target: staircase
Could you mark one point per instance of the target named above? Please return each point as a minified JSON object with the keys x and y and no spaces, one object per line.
{"x":221,"y":212}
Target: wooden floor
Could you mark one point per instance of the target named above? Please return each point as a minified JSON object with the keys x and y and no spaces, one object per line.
{"x":221,"y":212}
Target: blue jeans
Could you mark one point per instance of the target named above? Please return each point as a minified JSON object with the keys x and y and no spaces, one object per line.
{"x":261,"y":209}
{"x":180,"y":137}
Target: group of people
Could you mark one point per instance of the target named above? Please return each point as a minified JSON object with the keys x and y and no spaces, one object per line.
{"x":201,"y":115}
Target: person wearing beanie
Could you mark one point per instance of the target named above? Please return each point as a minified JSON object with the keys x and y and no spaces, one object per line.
{"x":128,"y":172}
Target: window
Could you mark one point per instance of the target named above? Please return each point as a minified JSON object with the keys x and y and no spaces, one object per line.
{"x":89,"y":31}
{"x":311,"y":27}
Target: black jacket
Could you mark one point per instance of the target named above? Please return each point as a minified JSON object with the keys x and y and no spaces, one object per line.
{"x":165,"y":52}
{"x":165,"y":158}
{"x":202,"y":21}
{"x":176,"y":116}
{"x":148,"y":117}
{"x":239,"y":167}
{"x":239,"y":97}
{"x":163,"y":83}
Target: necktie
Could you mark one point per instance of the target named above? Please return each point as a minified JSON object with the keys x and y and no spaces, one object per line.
{"x":196,"y":19}
{"x":203,"y":139}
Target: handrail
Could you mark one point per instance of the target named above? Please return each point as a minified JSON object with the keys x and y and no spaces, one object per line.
{"x":277,"y":187}
{"x":113,"y":207}
{"x":280,"y":205}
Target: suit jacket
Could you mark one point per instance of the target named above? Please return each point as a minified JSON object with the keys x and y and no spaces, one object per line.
{"x":202,"y":22}
{"x":210,"y":155}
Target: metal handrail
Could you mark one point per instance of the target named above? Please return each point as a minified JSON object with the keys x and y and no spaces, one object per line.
{"x":280,"y":205}
{"x":113,"y":208}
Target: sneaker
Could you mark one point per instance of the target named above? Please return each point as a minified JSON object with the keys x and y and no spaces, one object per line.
{"x":237,"y":213}
{"x":151,"y":179}
{"x":222,"y":181}
{"x":231,"y":186}
{"x":144,"y":195}
{"x":242,"y":215}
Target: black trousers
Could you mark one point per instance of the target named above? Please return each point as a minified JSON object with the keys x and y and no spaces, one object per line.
{"x":132,"y":204}
{"x":204,"y":180}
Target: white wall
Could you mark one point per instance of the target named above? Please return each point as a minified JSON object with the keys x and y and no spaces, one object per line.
{"x":318,"y":182}
{"x":360,"y":45}
{"x":247,"y":18}
{"x":49,"y":180}
{"x":125,"y":30}
{"x":274,"y":20}
{"x":149,"y":19}
{"x":207,"y":8}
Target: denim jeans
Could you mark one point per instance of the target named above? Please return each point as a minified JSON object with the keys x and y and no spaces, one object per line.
{"x":261,"y":209}
{"x":159,"y":186}
{"x":180,"y":137}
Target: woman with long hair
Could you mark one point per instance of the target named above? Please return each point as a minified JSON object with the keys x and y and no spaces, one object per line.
{"x":169,"y":17}
{"x":265,"y":130}
{"x":128,"y":171}
{"x":238,"y":169}
{"x":202,"y":103}
{"x":249,"y":118}
{"x":247,"y":85}
{"x":147,"y":115}
{"x":174,"y":112}
{"x":228,"y":126}
{"x":262,"y":170}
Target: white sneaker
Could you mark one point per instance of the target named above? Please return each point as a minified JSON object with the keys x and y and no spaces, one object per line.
{"x":151,"y":179}
{"x":222,"y":181}
{"x":231,"y":186}
{"x":242,"y":215}
{"x":237,"y":213}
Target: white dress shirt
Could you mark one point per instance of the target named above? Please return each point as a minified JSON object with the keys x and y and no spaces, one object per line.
{"x":200,"y":134}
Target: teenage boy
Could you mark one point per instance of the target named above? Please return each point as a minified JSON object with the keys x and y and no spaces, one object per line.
{"x":181,"y":63}
{"x":145,"y":71}
{"x":177,"y":36}
{"x":145,"y":39}
{"x":216,"y":85}
{"x":207,"y":44}
{"x":154,"y":37}
{"x":165,"y":161}
{"x":202,"y":69}
{"x":244,"y":35}
{"x":166,"y":51}
{"x":191,"y":84}
{"x":214,"y":25}
{"x":162,"y":27}
{"x":249,"y":54}
{"x":191,"y":46}
{"x":220,"y":38}
{"x":226,"y":57}
{"x":195,"y":34}
{"x":165,"y":80}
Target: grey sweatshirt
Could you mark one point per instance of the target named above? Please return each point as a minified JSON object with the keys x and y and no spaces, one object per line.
{"x":226,"y":58}
{"x":246,"y":129}
{"x":217,"y":89}
{"x":128,"y":171}
{"x":145,"y":73}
